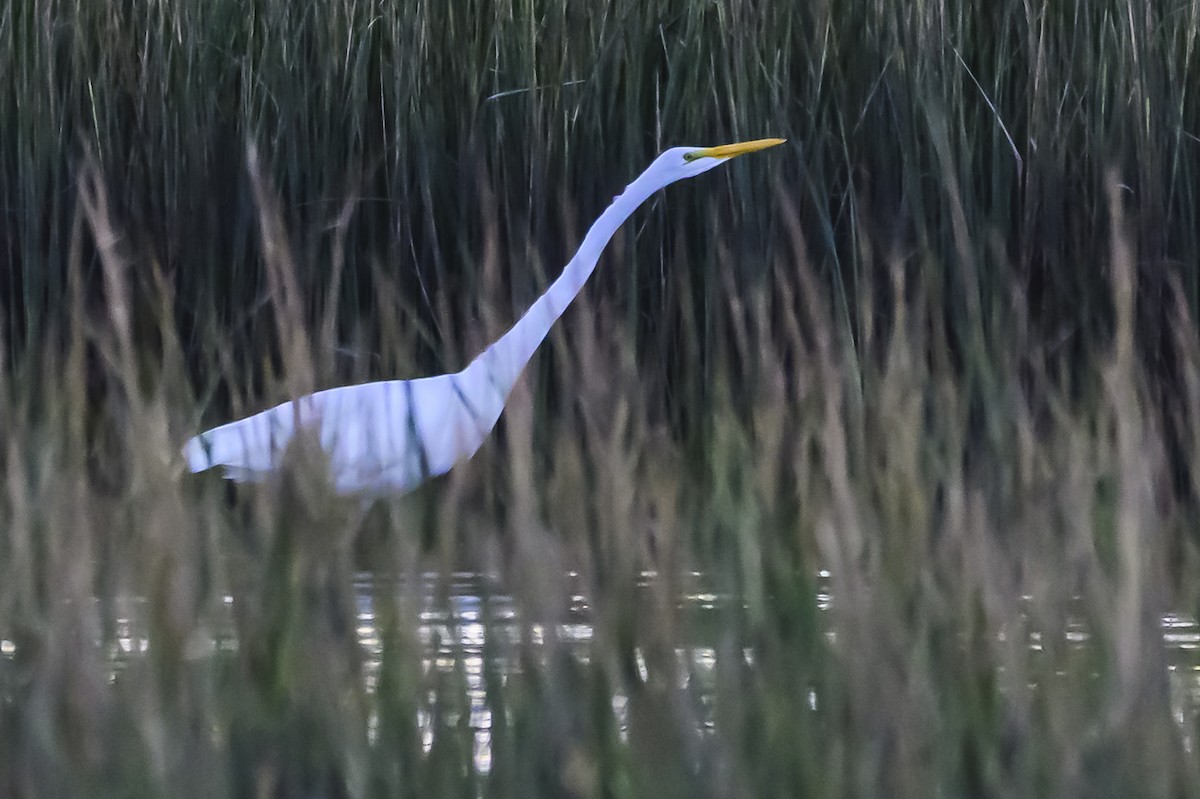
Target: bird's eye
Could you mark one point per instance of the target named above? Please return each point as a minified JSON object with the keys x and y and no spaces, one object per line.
{"x":690,"y":156}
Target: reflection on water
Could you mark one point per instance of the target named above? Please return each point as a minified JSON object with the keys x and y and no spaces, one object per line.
{"x":456,"y":620}
{"x":454,"y":633}
{"x":454,"y":638}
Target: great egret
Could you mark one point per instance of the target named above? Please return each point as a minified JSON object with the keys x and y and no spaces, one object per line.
{"x":394,"y":434}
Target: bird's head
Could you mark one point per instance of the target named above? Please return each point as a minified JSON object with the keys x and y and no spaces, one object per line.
{"x":686,"y":162}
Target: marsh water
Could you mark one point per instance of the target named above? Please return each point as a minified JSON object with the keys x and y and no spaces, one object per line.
{"x":466,"y":619}
{"x":455,"y":634}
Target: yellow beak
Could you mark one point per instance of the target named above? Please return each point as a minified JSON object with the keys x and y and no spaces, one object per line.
{"x":731,"y":150}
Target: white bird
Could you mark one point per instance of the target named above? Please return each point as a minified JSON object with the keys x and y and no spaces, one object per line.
{"x":389,"y":436}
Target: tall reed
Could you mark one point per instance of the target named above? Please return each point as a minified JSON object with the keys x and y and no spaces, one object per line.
{"x":939,"y":364}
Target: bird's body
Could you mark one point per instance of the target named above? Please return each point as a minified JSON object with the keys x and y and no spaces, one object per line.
{"x":382,"y":437}
{"x":389,"y":436}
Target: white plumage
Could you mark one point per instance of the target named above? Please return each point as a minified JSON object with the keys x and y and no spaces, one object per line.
{"x":391,"y":435}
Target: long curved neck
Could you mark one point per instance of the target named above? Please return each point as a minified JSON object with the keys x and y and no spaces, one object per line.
{"x":506,"y":358}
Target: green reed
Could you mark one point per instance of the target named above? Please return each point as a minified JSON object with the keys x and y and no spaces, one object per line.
{"x":944,"y":347}
{"x":389,"y":129}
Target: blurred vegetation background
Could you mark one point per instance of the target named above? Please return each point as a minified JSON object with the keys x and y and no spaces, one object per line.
{"x":400,"y":135}
{"x":942,"y":348}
